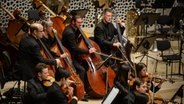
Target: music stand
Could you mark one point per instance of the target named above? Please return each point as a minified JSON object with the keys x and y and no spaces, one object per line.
{"x":176,"y":14}
{"x":144,"y":47}
{"x":179,"y":93}
{"x":163,"y":3}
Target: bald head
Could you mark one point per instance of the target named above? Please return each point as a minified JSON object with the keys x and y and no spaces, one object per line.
{"x":36,"y":30}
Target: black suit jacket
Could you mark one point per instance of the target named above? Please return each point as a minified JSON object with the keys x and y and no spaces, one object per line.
{"x":36,"y":91}
{"x":70,"y":40}
{"x":103,"y":35}
{"x":29,"y":57}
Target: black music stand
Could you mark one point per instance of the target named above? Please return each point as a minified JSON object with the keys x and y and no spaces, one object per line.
{"x":144,"y":47}
{"x":147,"y":42}
{"x":177,"y":14}
{"x":179,"y":93}
{"x":163,"y":4}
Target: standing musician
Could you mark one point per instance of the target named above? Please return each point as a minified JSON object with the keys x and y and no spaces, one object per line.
{"x":70,"y":39}
{"x":37,"y":93}
{"x":30,"y":54}
{"x":54,"y":93}
{"x":105,"y":31}
{"x":48,"y":40}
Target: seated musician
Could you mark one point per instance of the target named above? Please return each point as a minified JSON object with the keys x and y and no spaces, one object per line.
{"x":47,"y":38}
{"x":70,"y":39}
{"x":142,"y":73}
{"x":54,"y":93}
{"x":104,"y":33}
{"x":139,"y":90}
{"x":121,"y":81}
{"x":30,"y":55}
{"x":37,"y":93}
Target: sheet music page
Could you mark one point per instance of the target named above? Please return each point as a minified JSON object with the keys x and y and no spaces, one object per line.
{"x":111,"y":96}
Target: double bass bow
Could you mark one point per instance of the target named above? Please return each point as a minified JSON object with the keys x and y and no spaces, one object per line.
{"x":98,"y":80}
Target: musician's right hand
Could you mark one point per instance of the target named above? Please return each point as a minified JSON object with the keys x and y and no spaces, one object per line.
{"x":58,"y":62}
{"x":64,"y":55}
{"x":117,"y":44}
{"x":92,"y":50}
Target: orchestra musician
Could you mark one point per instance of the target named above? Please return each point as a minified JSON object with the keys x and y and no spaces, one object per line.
{"x":30,"y":55}
{"x":54,"y":93}
{"x":48,"y":40}
{"x":105,"y":31}
{"x":70,"y":39}
{"x":37,"y":93}
{"x":139,"y":90}
{"x":142,"y":73}
{"x":121,"y":81}
{"x":129,"y":94}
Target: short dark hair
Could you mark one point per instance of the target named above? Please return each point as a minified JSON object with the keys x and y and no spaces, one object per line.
{"x":39,"y":67}
{"x":61,"y":73}
{"x":137,"y":83}
{"x":140,"y":66}
{"x":75,"y":17}
{"x":107,"y":10}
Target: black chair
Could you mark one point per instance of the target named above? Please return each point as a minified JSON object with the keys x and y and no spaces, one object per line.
{"x":163,"y":45}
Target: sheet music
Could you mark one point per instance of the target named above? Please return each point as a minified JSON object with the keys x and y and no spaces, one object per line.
{"x":111,"y":96}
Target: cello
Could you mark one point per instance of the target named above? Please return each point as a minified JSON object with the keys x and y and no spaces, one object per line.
{"x":99,"y":79}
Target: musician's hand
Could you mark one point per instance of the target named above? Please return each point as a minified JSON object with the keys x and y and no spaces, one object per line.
{"x":64,"y":55}
{"x":92,"y":50}
{"x":117,"y":44}
{"x":54,"y":30}
{"x":58,"y":62}
{"x":70,"y":89}
{"x":121,"y":22}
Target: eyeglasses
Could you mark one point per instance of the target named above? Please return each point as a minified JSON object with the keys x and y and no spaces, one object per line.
{"x":41,"y":31}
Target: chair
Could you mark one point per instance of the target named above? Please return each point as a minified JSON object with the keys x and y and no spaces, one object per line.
{"x":163,"y":45}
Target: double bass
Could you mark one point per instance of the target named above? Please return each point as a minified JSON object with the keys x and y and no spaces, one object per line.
{"x":14,"y":30}
{"x":67,"y":63}
{"x":58,"y":21}
{"x":98,"y":79}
